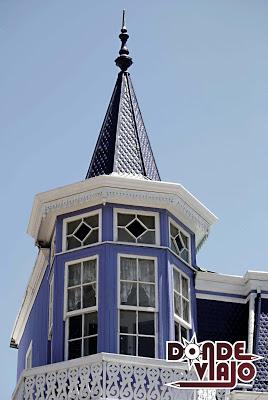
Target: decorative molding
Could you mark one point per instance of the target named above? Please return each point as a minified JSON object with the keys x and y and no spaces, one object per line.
{"x":30,"y":294}
{"x":112,"y":376}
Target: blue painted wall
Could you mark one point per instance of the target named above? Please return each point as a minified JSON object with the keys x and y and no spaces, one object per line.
{"x":37,"y":325}
{"x":36,"y":329}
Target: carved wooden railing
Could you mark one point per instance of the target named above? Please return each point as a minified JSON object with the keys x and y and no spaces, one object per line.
{"x":108,"y":376}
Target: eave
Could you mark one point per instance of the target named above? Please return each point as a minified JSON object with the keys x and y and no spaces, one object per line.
{"x":119,"y":190}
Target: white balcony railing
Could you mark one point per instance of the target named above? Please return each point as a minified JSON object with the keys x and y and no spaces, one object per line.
{"x":108,"y":376}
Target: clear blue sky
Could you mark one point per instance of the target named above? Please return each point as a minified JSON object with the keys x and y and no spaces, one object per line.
{"x":200,"y":75}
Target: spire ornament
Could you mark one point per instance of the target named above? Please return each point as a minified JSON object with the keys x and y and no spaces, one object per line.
{"x":124,"y":61}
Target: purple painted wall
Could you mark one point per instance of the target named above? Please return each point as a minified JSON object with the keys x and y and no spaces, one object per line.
{"x":36,"y":329}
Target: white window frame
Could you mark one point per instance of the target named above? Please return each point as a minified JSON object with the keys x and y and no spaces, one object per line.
{"x":139,"y":212}
{"x":74,"y":218}
{"x":82,"y":311}
{"x":179,"y":320}
{"x":153,"y":310}
{"x":28,"y":354}
{"x":50,"y":306}
{"x":53,"y":248}
{"x":178,"y":226}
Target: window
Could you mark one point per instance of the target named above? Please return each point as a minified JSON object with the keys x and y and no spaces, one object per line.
{"x":180,"y":242}
{"x":28,"y":357}
{"x":50,"y":307}
{"x":81,"y":308}
{"x":181,"y":295}
{"x":82,"y":231}
{"x":138,"y":306}
{"x":137,"y":227}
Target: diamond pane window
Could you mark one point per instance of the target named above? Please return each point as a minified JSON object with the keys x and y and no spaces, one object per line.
{"x":136,"y":228}
{"x":180,"y":242}
{"x":82,"y":231}
{"x":137,"y":307}
{"x":181,"y":295}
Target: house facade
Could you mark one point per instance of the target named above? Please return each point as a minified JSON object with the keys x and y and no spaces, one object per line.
{"x":116,"y":277}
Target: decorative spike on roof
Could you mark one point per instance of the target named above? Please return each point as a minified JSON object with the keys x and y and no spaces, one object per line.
{"x":123,"y":146}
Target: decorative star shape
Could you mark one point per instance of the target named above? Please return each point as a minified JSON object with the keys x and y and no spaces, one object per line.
{"x":192,"y":351}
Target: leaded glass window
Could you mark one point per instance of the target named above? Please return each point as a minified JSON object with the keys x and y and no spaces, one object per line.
{"x":81,"y":308}
{"x":181,"y":296}
{"x":82,"y":231}
{"x":180,"y":242}
{"x":137,"y":306}
{"x":136,"y":228}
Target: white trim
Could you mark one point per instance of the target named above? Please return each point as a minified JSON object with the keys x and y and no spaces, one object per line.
{"x":251,"y":322}
{"x":30,"y":294}
{"x":248,"y":395}
{"x":216,"y":297}
{"x":122,"y":190}
{"x":51,"y":306}
{"x":153,"y":310}
{"x":75,"y":218}
{"x":136,"y":212}
{"x":178,"y":226}
{"x":29,"y":352}
{"x":67,"y":314}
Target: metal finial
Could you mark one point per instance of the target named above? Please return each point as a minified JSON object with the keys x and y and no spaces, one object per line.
{"x":124,"y":61}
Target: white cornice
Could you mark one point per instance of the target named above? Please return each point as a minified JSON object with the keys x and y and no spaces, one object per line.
{"x":30,"y":294}
{"x":124,"y":190}
{"x":215,"y":283}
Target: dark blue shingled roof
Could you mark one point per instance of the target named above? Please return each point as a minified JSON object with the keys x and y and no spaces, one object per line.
{"x":123,"y":145}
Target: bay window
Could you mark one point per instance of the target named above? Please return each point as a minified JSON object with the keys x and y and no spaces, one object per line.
{"x":180,"y":242}
{"x":138,"y":306}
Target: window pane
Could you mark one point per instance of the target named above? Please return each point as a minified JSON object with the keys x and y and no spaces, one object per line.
{"x":185,"y":255}
{"x":128,"y":322}
{"x":146,"y":347}
{"x":146,"y":271}
{"x":184,"y":332}
{"x":177,"y":332}
{"x":128,"y":293}
{"x":93,"y":237}
{"x":177,"y":304}
{"x":136,"y":228}
{"x":90,"y":346}
{"x":128,"y":269}
{"x":128,"y":345}
{"x":82,"y":231}
{"x":75,"y":327}
{"x":147,"y":237}
{"x":89,"y":271}
{"x":146,"y":295}
{"x":92,"y":221}
{"x":185,"y":305}
{"x":71,"y":226}
{"x":185,"y":288}
{"x":74,"y":277}
{"x":74,"y":299}
{"x":184,"y":240}
{"x":72,"y":243}
{"x":173,"y":230}
{"x":177,"y":281}
{"x":124,"y":219}
{"x":89,"y":295}
{"x":146,"y":323}
{"x":124,"y":236}
{"x":75,"y":349}
{"x":148,"y":221}
{"x":91,"y":324}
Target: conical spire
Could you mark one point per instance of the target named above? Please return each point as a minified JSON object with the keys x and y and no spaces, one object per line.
{"x":123,"y":146}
